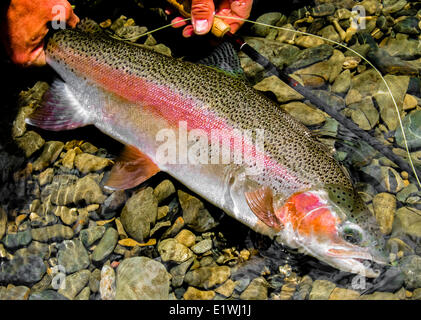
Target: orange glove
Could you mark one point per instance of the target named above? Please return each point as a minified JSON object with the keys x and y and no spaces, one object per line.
{"x":203,"y":11}
{"x":25,"y":26}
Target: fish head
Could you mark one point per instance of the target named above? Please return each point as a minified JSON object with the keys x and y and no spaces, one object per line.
{"x":330,"y":231}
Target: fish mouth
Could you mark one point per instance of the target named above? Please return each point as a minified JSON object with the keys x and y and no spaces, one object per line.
{"x":358,"y":260}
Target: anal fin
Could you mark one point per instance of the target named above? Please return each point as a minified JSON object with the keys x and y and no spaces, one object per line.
{"x":260,"y":202}
{"x":131,"y":169}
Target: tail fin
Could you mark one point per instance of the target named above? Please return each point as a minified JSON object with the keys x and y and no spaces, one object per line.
{"x":59,"y":110}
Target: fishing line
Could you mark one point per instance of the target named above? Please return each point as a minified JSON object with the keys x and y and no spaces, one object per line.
{"x":359,"y":55}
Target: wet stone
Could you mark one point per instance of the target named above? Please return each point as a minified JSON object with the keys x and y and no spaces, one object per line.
{"x":47,"y":295}
{"x":49,"y":154}
{"x":35,"y":248}
{"x":74,"y":283}
{"x":364,"y":114}
{"x":17,"y":240}
{"x":15,"y":293}
{"x":52,"y":233}
{"x":139,"y":213}
{"x":85,"y":189}
{"x":407,"y":221}
{"x":164,"y":190}
{"x":141,"y":278}
{"x":23,"y":270}
{"x":106,"y":245}
{"x":256,"y":290}
{"x":3,"y":222}
{"x":178,"y":272}
{"x":282,"y":91}
{"x":379,"y":296}
{"x":207,"y":277}
{"x":408,"y":26}
{"x":270,"y":18}
{"x":310,"y":56}
{"x":94,"y":280}
{"x":305,"y":114}
{"x":195,"y":215}
{"x":84,"y":294}
{"x":226,"y":289}
{"x":342,"y":82}
{"x":86,"y":163}
{"x":171,"y":250}
{"x":412,"y":128}
{"x":202,"y":246}
{"x":321,"y":290}
{"x":344,"y":294}
{"x":73,"y":256}
{"x":196,"y":294}
{"x":30,"y":142}
{"x":186,"y":237}
{"x":113,"y":203}
{"x":107,"y":287}
{"x":384,"y":205}
{"x":392,"y":6}
{"x":323,"y":10}
{"x":92,"y":234}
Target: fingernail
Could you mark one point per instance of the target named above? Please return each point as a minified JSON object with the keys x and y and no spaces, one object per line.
{"x":201,"y":26}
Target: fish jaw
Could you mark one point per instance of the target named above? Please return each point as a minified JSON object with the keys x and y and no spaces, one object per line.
{"x":314,"y":225}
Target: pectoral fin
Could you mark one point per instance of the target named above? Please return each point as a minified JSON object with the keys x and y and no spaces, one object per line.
{"x":260,"y":202}
{"x":131,"y":169}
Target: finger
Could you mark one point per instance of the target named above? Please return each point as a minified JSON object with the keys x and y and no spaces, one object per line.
{"x":188,"y":31}
{"x":241,"y":8}
{"x":73,"y":20}
{"x":202,"y":15}
{"x":179,"y":24}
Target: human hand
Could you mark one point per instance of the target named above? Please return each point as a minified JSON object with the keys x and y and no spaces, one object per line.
{"x":203,"y":12}
{"x":25,"y":25}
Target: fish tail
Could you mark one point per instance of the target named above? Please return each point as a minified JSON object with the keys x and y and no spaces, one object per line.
{"x":59,"y":110}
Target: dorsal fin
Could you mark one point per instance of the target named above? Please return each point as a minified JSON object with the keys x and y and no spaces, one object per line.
{"x":131,"y":169}
{"x":224,"y":58}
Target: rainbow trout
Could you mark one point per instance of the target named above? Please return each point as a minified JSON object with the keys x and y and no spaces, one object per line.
{"x":175,"y":116}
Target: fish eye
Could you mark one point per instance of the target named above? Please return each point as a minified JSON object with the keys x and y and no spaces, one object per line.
{"x":352,"y":234}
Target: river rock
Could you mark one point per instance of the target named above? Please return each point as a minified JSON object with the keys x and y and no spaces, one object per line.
{"x":379,"y":296}
{"x":366,"y":83}
{"x":15,"y":293}
{"x":391,"y":180}
{"x":107,"y":288}
{"x":310,"y":56}
{"x":30,"y":142}
{"x":384,"y":206}
{"x":47,"y":295}
{"x":92,"y":234}
{"x":171,"y":250}
{"x":408,"y":25}
{"x":207,"y":277}
{"x":3,"y":222}
{"x":256,"y":290}
{"x":406,"y":49}
{"x":412,"y":127}
{"x":398,"y":85}
{"x":164,"y":190}
{"x":344,"y":294}
{"x":139,"y":213}
{"x":85,"y":189}
{"x":390,"y":64}
{"x":74,"y":283}
{"x":178,"y":272}
{"x":411,"y":268}
{"x":57,"y":232}
{"x":342,"y":82}
{"x":196,"y":294}
{"x":142,"y":278}
{"x":364,"y":113}
{"x":106,"y":245}
{"x":321,"y":290}
{"x":282,"y":91}
{"x":392,"y":6}
{"x":186,"y":237}
{"x":94,"y":280}
{"x":73,"y":256}
{"x":86,"y":163}
{"x":270,"y":18}
{"x":226,"y":289}
{"x":84,"y":294}
{"x":195,"y":215}
{"x":202,"y":246}
{"x":305,"y":114}
{"x":407,"y":221}
{"x":49,"y":154}
{"x":113,"y":203}
{"x":35,"y":248}
{"x":22,"y":270}
{"x":308,"y":41}
{"x":17,"y":240}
